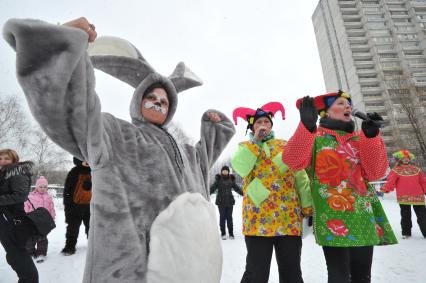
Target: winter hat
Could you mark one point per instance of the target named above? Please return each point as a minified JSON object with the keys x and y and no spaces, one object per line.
{"x":403,"y":153}
{"x":41,"y":181}
{"x":323,"y":102}
{"x":268,"y":110}
{"x":225,"y":168}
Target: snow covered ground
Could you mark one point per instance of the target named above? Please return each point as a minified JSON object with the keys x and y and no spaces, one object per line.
{"x":404,"y":262}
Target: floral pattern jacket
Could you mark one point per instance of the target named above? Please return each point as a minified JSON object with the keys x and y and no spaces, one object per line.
{"x":347,"y":212}
{"x":279,"y":211}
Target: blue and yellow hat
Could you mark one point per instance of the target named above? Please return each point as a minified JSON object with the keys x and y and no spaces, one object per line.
{"x":323,"y":102}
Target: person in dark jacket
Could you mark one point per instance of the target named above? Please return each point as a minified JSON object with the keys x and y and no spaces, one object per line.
{"x":77,"y":196}
{"x":224,"y":183}
{"x":15,"y":182}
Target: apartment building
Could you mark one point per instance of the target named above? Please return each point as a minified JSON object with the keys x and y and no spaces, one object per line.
{"x":376,"y":50}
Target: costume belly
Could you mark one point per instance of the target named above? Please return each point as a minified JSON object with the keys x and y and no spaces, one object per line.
{"x":184,"y":243}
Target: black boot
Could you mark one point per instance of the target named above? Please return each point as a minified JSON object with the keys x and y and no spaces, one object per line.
{"x":68,"y":250}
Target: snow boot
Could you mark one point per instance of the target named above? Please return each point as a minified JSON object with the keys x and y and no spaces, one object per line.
{"x":68,"y":250}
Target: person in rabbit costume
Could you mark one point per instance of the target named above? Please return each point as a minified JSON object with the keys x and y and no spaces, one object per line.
{"x":151,"y":218}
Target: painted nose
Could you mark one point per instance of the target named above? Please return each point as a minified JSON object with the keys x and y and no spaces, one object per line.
{"x":157,"y":104}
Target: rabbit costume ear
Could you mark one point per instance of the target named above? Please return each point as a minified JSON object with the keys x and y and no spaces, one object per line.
{"x":120,"y":59}
{"x":183,"y":78}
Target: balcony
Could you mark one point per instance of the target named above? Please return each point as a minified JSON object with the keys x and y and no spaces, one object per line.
{"x":364,"y":64}
{"x":412,"y":48}
{"x":378,"y":109}
{"x":349,"y":11}
{"x":371,"y":90}
{"x":390,"y":2}
{"x":347,"y":4}
{"x":417,"y":65}
{"x":420,"y":83}
{"x":355,"y":32}
{"x":360,"y":47}
{"x":358,"y":39}
{"x":400,"y":16}
{"x":349,"y":25}
{"x":366,"y":72}
{"x":397,"y":9}
{"x":351,"y":18}
{"x":417,"y":3}
{"x":385,"y":48}
{"x":390,"y":66}
{"x":368,"y":81}
{"x":414,"y":56}
{"x":361,"y":56}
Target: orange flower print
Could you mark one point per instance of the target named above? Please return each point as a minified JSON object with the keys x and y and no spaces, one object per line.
{"x":331,"y":168}
{"x":341,"y":200}
{"x":337,"y":227}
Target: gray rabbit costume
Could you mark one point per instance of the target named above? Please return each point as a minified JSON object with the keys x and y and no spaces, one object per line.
{"x":143,"y":181}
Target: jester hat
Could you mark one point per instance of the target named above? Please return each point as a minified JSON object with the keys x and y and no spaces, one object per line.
{"x":323,"y":102}
{"x":250,"y":115}
{"x":403,"y":153}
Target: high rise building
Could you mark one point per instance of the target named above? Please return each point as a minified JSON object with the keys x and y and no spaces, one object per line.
{"x":376,"y":50}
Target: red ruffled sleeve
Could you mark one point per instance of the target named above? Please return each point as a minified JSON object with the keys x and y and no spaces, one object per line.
{"x":297,"y":153}
{"x":374,"y":160}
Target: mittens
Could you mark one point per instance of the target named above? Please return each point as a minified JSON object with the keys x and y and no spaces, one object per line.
{"x":308,"y":113}
{"x":370,"y":127}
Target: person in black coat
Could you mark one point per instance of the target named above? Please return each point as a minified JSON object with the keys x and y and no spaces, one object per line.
{"x":15,"y":228}
{"x":224,"y":183}
{"x":77,"y":196}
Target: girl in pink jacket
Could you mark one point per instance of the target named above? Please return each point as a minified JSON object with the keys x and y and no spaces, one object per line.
{"x":410,"y":183}
{"x":37,"y":245}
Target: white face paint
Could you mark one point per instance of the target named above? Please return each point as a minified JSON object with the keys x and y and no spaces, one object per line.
{"x":155,"y":106}
{"x":150,"y":104}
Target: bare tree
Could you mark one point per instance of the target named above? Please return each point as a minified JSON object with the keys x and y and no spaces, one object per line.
{"x":47,"y":156}
{"x":13,"y":122}
{"x":405,"y":97}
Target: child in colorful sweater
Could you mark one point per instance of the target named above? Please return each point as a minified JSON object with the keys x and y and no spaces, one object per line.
{"x":37,"y":245}
{"x":410,"y":184}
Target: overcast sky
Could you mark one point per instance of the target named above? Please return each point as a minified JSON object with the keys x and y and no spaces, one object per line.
{"x":247,"y":52}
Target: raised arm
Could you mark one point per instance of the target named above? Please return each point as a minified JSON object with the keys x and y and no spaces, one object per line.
{"x":297,"y":152}
{"x":216,"y":131}
{"x":57,"y":77}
